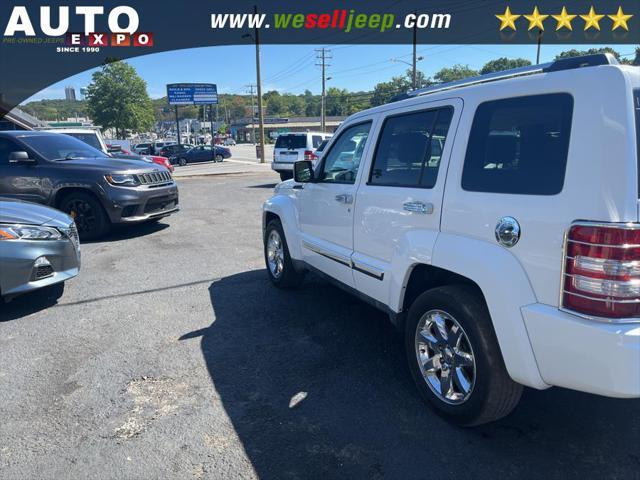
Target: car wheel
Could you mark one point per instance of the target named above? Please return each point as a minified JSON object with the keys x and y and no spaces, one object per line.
{"x":86,"y":210}
{"x":280,"y":268}
{"x":286,"y":176}
{"x":455,"y":359}
{"x":182,"y":162}
{"x":219,"y":158}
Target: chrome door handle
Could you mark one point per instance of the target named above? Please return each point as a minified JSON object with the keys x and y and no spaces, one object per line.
{"x":418,"y":207}
{"x":344,"y":198}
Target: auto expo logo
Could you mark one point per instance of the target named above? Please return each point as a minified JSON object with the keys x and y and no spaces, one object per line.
{"x":123,"y":22}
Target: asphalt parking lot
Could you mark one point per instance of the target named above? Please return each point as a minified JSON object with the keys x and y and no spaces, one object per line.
{"x":172,"y":356}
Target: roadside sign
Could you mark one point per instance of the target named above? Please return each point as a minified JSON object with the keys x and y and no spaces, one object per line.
{"x":192,"y":94}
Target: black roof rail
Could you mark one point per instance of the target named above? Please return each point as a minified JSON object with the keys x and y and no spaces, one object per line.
{"x":555,"y":66}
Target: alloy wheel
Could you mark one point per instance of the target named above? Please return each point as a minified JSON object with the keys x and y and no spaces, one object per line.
{"x":445,"y":357}
{"x":83,"y":214}
{"x":275,"y":254}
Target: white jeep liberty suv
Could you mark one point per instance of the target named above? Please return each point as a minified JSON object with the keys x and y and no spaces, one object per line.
{"x":496,"y":219}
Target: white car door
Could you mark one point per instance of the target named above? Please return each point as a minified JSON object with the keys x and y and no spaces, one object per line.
{"x":326,"y":206}
{"x":398,"y":207}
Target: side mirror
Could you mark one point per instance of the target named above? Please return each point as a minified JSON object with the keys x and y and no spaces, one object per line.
{"x":303,"y":171}
{"x":20,"y":157}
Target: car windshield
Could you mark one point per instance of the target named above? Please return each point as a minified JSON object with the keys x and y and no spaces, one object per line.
{"x":88,"y":138}
{"x":61,"y":147}
{"x":291,"y":141}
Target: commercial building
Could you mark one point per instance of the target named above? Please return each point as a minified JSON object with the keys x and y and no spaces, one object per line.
{"x":244,"y":129}
{"x":70,"y":93}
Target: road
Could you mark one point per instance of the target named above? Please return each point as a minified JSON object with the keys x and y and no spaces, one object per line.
{"x":172,"y":356}
{"x":243,"y":160}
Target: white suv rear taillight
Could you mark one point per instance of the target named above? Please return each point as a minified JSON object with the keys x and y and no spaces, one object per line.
{"x":309,"y":155}
{"x":602,"y":270}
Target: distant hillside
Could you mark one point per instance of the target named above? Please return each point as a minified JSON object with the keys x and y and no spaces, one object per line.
{"x":51,"y":110}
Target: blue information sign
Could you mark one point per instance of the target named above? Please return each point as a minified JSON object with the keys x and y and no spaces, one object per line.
{"x":192,"y":93}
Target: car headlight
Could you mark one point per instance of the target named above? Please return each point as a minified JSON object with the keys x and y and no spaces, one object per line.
{"x":122,"y":180}
{"x":28,"y":232}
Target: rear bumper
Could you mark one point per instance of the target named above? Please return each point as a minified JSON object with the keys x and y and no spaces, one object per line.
{"x":282,"y":166}
{"x":583,"y":355}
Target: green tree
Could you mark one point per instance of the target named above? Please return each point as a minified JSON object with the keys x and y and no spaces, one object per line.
{"x":273,"y":103}
{"x":636,"y":61}
{"x":577,"y":53}
{"x":456,"y":72}
{"x":117,"y":98}
{"x":504,"y":63}
{"x":383,"y":92}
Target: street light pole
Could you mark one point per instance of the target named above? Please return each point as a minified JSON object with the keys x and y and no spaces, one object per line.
{"x":259,"y":88}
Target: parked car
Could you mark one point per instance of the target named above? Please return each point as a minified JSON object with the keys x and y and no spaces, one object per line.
{"x":90,"y":135}
{"x":158,"y":146}
{"x":143,"y":148}
{"x":39,"y":249}
{"x":202,"y":153}
{"x":160,"y":160}
{"x":96,"y":190}
{"x":495,"y":219}
{"x":291,"y":147}
{"x":175,"y":149}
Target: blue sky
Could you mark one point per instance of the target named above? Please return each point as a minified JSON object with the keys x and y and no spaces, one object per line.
{"x":290,"y":68}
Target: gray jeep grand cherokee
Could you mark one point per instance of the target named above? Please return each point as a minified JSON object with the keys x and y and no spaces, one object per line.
{"x":96,"y":190}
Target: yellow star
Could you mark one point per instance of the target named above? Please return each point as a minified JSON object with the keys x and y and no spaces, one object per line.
{"x":507,"y":19}
{"x":592,"y":19}
{"x":564,"y":19}
{"x":535,"y":19}
{"x":620,"y":19}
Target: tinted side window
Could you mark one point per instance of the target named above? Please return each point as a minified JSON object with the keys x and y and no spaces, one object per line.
{"x":316,"y":140}
{"x":519,"y":145}
{"x":341,"y":162}
{"x":410,"y":148}
{"x":6,"y":147}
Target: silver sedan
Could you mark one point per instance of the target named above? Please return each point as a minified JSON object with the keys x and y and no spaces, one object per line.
{"x":39,"y":249}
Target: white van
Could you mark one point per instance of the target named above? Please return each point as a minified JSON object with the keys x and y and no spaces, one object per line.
{"x":291,"y":147}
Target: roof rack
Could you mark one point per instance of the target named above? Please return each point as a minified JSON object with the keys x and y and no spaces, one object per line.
{"x":556,"y":66}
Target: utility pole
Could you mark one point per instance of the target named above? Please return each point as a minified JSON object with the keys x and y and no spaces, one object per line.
{"x":414,"y":72}
{"x":323,"y":56}
{"x":256,"y":34}
{"x":539,"y":45}
{"x":177,"y":124}
{"x":253,"y":111}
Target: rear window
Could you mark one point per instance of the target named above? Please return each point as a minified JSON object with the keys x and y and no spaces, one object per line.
{"x":519,"y":145}
{"x":291,"y":142}
{"x":316,"y":140}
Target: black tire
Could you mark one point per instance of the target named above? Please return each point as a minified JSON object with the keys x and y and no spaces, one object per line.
{"x":182,"y":162}
{"x":91,"y":219}
{"x":219,"y":158}
{"x":288,"y":277}
{"x":493,"y":395}
{"x":286,"y":176}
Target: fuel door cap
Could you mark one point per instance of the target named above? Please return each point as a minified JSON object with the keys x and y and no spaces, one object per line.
{"x":508,"y":231}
